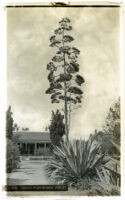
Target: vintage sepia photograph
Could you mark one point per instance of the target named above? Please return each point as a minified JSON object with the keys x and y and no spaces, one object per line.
{"x":63,"y":99}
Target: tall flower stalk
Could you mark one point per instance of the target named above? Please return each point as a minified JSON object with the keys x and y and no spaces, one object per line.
{"x":65,"y":82}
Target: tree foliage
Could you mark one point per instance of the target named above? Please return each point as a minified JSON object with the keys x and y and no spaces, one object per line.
{"x":110,"y":134}
{"x":57,"y":128}
{"x":110,"y":140}
{"x":12,"y":147}
{"x":112,"y":123}
{"x":63,"y":69}
{"x":13,"y":156}
{"x":9,"y":123}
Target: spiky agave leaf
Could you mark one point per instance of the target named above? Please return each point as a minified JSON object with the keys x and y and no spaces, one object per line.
{"x":116,"y":146}
{"x":106,"y":182}
{"x":77,"y":160}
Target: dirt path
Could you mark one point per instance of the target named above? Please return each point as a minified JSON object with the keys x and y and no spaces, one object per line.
{"x":31,"y":172}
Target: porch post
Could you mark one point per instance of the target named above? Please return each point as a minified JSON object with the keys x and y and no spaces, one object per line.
{"x":21,"y":148}
{"x":35,"y":148}
{"x":26,"y":147}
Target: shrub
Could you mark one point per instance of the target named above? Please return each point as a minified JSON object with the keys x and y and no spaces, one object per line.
{"x":112,"y":122}
{"x":13,"y":158}
{"x":114,"y":170}
{"x":106,"y":140}
{"x":75,"y":163}
{"x":106,"y":183}
{"x":44,"y":152}
{"x":57,"y":128}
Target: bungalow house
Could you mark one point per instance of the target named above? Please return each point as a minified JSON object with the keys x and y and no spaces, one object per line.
{"x":30,"y":143}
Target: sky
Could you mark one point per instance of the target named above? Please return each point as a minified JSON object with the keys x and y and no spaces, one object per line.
{"x":96,"y":34}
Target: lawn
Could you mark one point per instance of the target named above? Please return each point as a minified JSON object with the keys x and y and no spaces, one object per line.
{"x":31,"y":172}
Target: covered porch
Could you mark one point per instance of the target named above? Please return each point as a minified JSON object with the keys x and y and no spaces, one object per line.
{"x":33,"y":143}
{"x":33,"y":148}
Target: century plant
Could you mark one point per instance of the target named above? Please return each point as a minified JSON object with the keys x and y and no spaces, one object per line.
{"x":76,"y":163}
{"x":64,"y":79}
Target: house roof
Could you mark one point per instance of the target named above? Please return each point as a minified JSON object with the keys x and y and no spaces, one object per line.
{"x":26,"y":136}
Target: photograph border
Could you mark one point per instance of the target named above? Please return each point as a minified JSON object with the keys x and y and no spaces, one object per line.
{"x":122,"y":84}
